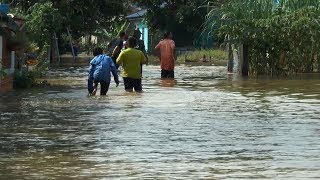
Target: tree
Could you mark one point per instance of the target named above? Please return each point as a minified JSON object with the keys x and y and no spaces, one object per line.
{"x":282,"y":36}
{"x":182,"y":17}
{"x":85,"y":16}
{"x":82,"y":16}
{"x":43,"y":20}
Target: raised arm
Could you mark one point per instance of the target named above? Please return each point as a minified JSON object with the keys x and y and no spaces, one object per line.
{"x":117,"y":49}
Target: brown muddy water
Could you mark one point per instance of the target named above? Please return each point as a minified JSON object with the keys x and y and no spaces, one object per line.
{"x":205,"y":124}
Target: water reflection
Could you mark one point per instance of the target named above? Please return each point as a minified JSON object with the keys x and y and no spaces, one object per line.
{"x":168,"y":82}
{"x":202,"y":125}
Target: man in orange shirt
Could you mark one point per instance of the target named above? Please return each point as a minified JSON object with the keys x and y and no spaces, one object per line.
{"x":167,"y":50}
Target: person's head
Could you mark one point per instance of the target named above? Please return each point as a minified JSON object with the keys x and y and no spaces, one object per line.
{"x":132,"y":42}
{"x":168,"y":35}
{"x":122,"y":34}
{"x":125,"y":37}
{"x":137,"y":34}
{"x":97,"y":51}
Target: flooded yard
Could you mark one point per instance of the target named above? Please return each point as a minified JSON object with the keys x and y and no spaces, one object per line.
{"x":205,"y":124}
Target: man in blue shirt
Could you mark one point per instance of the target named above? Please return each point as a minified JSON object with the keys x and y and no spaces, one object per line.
{"x":99,"y":72}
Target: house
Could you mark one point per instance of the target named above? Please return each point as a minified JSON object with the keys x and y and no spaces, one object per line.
{"x":137,"y":22}
{"x":8,"y":27}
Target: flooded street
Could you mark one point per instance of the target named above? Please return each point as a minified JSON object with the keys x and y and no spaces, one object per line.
{"x":205,"y":124}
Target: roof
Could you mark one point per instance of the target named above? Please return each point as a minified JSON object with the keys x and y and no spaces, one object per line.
{"x":137,"y":15}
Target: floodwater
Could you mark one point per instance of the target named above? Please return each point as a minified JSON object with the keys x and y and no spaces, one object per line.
{"x":205,"y":124}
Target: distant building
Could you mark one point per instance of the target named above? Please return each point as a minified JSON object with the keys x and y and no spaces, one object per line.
{"x":8,"y":27}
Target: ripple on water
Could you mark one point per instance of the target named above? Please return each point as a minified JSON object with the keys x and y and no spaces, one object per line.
{"x":202,"y":125}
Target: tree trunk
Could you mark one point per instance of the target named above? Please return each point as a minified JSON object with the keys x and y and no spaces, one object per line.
{"x":244,"y":50}
{"x":230,"y":58}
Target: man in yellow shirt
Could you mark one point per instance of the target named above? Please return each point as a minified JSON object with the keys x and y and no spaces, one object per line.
{"x":131,"y":60}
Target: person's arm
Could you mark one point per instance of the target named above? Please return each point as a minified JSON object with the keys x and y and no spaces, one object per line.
{"x":143,"y":59}
{"x":173,"y":46}
{"x":157,"y":50}
{"x":119,"y":60}
{"x":114,"y":72}
{"x":109,"y":45}
{"x":116,"y":51}
{"x":91,"y":70}
{"x":118,"y":48}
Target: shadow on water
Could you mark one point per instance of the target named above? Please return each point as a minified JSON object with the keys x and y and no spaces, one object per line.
{"x":204,"y":124}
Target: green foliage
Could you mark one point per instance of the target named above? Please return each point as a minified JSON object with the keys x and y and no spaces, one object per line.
{"x":105,"y":35}
{"x":86,"y":16}
{"x":282,"y":39}
{"x":24,"y":80}
{"x":183,"y":18}
{"x":209,"y":28}
{"x":83,"y":17}
{"x":2,"y":72}
{"x":210,"y":54}
{"x":43,"y":20}
{"x":216,"y":56}
{"x":43,"y":63}
{"x":117,"y":27}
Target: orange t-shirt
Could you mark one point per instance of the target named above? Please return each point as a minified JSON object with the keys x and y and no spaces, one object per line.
{"x":167,"y":48}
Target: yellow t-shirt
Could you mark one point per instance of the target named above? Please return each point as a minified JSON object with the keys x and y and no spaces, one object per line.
{"x":131,"y":60}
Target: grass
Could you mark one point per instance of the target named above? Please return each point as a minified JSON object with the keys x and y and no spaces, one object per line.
{"x":212,"y":56}
{"x":195,"y":56}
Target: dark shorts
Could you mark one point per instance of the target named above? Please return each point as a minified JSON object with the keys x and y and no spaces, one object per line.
{"x":167,"y":73}
{"x":104,"y":86}
{"x":130,"y":84}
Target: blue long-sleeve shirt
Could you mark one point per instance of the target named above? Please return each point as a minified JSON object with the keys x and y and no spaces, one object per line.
{"x":100,"y":68}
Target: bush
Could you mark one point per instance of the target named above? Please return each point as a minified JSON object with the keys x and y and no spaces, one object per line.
{"x":210,"y":54}
{"x":281,"y":39}
{"x":23,"y":80}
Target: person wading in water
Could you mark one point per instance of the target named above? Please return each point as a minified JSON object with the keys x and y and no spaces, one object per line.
{"x":167,"y":50}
